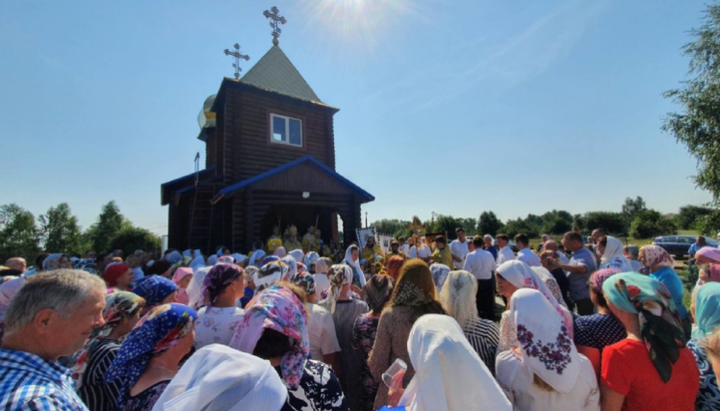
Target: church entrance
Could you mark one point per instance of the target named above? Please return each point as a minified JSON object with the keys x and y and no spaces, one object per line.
{"x":302,"y":217}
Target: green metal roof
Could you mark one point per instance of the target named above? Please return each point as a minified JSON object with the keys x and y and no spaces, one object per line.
{"x":275,"y":72}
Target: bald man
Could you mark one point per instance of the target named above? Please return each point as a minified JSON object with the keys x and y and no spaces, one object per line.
{"x":552,"y":245}
{"x":16,"y":263}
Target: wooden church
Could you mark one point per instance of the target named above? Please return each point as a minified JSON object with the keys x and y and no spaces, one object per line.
{"x":269,"y":159}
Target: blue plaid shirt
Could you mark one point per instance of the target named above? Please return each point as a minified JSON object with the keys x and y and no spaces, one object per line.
{"x":28,"y":382}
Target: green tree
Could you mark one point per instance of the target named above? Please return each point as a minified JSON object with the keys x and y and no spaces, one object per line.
{"x":393,"y":226}
{"x":108,"y":224}
{"x":557,"y":226}
{"x":60,"y":230}
{"x":488,"y":223}
{"x":697,"y":125}
{"x":19,"y":237}
{"x":691,"y":217}
{"x":513,"y":227}
{"x":131,"y":238}
{"x":612,"y":223}
{"x":650,"y":223}
{"x":632,"y":207}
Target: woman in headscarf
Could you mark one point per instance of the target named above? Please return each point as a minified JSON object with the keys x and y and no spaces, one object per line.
{"x":322,"y":266}
{"x":269,"y":274}
{"x":707,"y":318}
{"x":118,"y":276}
{"x":707,"y":255}
{"x":310,"y":259}
{"x":182,"y":278}
{"x":150,"y":356}
{"x":345,"y":310}
{"x":511,"y":276}
{"x":352,"y":260}
{"x":377,"y":293}
{"x":439,"y":274}
{"x":708,"y":273}
{"x":121,"y":313}
{"x":545,"y":372}
{"x":394,"y":265}
{"x":595,"y":332}
{"x":8,"y":289}
{"x":219,"y":378}
{"x":217,"y":320}
{"x":413,"y":296}
{"x":291,"y":263}
{"x":458,"y":299}
{"x":156,"y":290}
{"x":651,"y":369}
{"x":450,"y":376}
{"x":711,"y":345}
{"x":297,"y":254}
{"x":661,"y":267}
{"x":274,"y":328}
{"x":280,"y":252}
{"x":56,"y":261}
{"x":551,"y":283}
{"x":612,"y":255}
{"x":256,"y":258}
{"x":194,"y":289}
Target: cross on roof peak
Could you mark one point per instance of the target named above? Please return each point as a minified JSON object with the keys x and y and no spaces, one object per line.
{"x":237,"y":56}
{"x":275,"y":21}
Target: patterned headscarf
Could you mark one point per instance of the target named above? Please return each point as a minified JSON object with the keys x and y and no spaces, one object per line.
{"x":377,"y":292}
{"x":439,"y":274}
{"x":279,"y":309}
{"x":339,"y":276}
{"x":710,"y":253}
{"x":256,"y":258}
{"x":113,"y":272}
{"x":301,"y":268}
{"x":656,"y":257}
{"x":713,"y":272}
{"x":269,"y":259}
{"x":217,"y":280}
{"x":52,"y":262}
{"x":291,"y":263}
{"x":159,"y":330}
{"x":545,"y":341}
{"x":707,"y":310}
{"x":599,"y":277}
{"x":118,"y":306}
{"x":269,"y":274}
{"x":311,"y":258}
{"x":415,"y":286}
{"x":394,"y":265}
{"x":660,"y":323}
{"x":305,"y":281}
{"x":155,"y":289}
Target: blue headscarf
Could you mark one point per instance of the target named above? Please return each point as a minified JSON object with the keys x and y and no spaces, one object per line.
{"x":707,"y":310}
{"x":160,"y":329}
{"x":660,"y":323}
{"x":154,"y":289}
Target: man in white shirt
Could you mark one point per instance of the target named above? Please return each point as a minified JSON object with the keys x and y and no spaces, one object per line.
{"x":481,"y":264}
{"x":404,"y":248}
{"x":524,"y":253}
{"x":459,"y":248}
{"x":505,"y":253}
{"x":420,"y":250}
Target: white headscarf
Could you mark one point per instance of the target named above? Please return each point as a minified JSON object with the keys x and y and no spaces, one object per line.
{"x":291,"y":262}
{"x":256,"y":258}
{"x":354,"y":265}
{"x":459,"y":295}
{"x":8,"y":289}
{"x":541,"y":330}
{"x":220,"y":378}
{"x":551,"y":283}
{"x":614,"y":257}
{"x":439,"y":274}
{"x":194,"y":289}
{"x":449,"y":375}
{"x":297,"y":254}
{"x":280,"y":252}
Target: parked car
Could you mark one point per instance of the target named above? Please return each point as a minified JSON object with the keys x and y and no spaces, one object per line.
{"x":678,"y":245}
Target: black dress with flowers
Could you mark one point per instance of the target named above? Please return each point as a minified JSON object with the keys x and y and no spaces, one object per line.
{"x":363,"y":339}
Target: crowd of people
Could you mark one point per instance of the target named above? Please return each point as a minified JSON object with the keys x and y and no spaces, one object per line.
{"x":479,"y":323}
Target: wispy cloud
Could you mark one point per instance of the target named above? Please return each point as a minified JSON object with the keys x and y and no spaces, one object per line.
{"x":504,"y":65}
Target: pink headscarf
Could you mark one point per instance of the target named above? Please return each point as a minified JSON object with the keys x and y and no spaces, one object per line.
{"x":709,"y":253}
{"x":656,"y":257}
{"x":279,"y":309}
{"x":180,"y":273}
{"x":714,"y":272}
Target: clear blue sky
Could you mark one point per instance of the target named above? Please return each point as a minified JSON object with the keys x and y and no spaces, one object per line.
{"x":517,"y":107}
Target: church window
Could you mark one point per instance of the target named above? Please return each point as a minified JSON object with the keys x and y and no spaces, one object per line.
{"x":286,"y":130}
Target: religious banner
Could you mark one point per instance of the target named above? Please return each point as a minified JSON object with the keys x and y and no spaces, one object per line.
{"x":363,"y":234}
{"x":384,"y":241}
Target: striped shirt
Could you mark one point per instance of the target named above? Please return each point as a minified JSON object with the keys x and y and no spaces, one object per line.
{"x":28,"y":382}
{"x":484,"y":337}
{"x":94,"y":391}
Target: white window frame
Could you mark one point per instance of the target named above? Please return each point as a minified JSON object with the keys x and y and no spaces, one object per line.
{"x":287,"y":130}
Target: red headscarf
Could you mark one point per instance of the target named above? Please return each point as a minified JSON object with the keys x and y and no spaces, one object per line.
{"x":394,"y":265}
{"x":113,"y":272}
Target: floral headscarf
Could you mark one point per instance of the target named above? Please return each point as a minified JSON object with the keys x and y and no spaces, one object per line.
{"x":155,"y":289}
{"x":279,"y":309}
{"x":159,"y":330}
{"x":546,"y":345}
{"x":660,"y":323}
{"x":269,"y":274}
{"x":311,"y":258}
{"x":394,"y":265}
{"x":291,"y":263}
{"x":217,"y":280}
{"x":339,"y":275}
{"x":710,"y":253}
{"x":305,"y":281}
{"x":301,"y":268}
{"x":656,"y":257}
{"x":118,"y":306}
{"x":415,"y":286}
{"x":707,"y":310}
{"x":599,"y":277}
